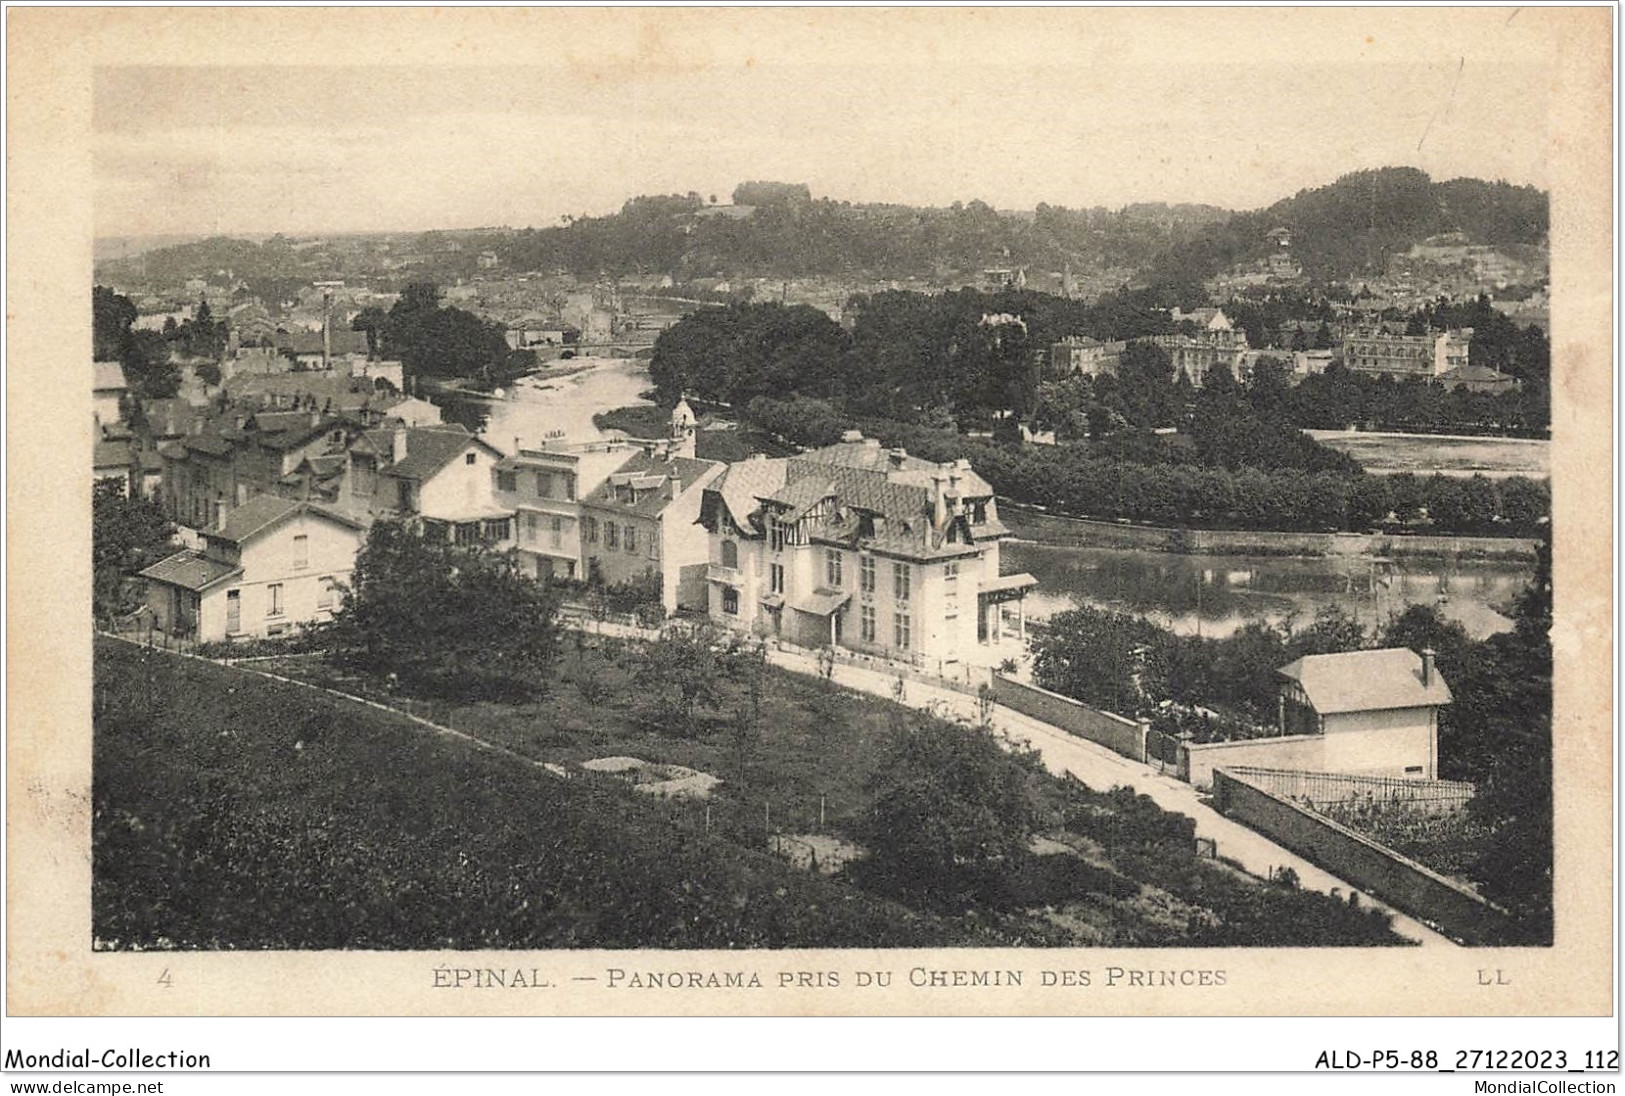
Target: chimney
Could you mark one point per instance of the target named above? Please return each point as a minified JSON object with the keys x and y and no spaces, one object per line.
{"x":398,"y":445}
{"x":897,"y":455}
{"x":516,"y":445}
{"x":219,"y":516}
{"x":1427,"y":667}
{"x":327,"y":329}
{"x":939,"y":507}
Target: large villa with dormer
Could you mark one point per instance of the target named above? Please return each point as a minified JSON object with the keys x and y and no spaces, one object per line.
{"x":862,"y":547}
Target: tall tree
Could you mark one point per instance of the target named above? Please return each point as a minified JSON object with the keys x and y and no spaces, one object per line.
{"x":445,"y":621}
{"x":111,"y":316}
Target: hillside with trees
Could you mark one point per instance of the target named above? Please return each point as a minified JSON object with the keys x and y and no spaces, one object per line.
{"x":1352,"y":226}
{"x":776,"y":229}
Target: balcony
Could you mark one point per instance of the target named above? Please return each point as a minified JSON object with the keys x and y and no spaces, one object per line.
{"x":727,"y":576}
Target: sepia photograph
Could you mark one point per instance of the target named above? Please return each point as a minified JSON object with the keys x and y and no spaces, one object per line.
{"x":822,"y":512}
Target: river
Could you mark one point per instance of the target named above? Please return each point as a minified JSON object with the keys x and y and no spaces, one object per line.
{"x":556,"y":405}
{"x":1215,"y":595}
{"x":1222,"y":592}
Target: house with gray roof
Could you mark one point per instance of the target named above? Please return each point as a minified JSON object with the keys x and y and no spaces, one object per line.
{"x":641,"y":522}
{"x":859,"y":546}
{"x":1377,"y":712}
{"x":441,"y":476}
{"x":267,"y":567}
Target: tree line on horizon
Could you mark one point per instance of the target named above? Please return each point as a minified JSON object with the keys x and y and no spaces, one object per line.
{"x":1347,"y":228}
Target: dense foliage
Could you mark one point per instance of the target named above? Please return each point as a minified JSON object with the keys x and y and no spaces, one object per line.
{"x":434,"y":340}
{"x":950,"y":811}
{"x":148,"y":371}
{"x":1352,"y":226}
{"x":1138,"y":477}
{"x":445,"y":620}
{"x":1133,"y":666}
{"x":1498,"y":734}
{"x":128,"y":533}
{"x":312,"y":823}
{"x":775,"y":229}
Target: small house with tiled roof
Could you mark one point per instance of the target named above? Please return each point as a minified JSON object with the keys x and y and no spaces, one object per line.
{"x":107,"y":391}
{"x":643,"y":521}
{"x":267,"y":567}
{"x":1377,"y":712}
{"x":115,"y":462}
{"x":863,"y":547}
{"x":441,"y":475}
{"x":223,"y":461}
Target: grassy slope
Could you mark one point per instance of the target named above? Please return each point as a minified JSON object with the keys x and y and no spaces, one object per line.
{"x":819,"y":743}
{"x":234,"y":812}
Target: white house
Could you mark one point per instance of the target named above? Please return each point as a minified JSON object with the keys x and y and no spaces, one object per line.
{"x":861,"y":547}
{"x":270,"y":566}
{"x":441,"y":475}
{"x":107,"y":392}
{"x":1377,"y":711}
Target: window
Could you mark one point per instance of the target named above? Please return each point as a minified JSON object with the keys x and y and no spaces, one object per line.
{"x":775,"y":577}
{"x":544,"y":485}
{"x":569,"y":487}
{"x":507,"y":481}
{"x":730,"y":554}
{"x":832,"y":566}
{"x":275,"y":592}
{"x":631,"y":540}
{"x":901,"y":627}
{"x":866,"y":574}
{"x":589,"y":528}
{"x":901,"y":581}
{"x":468,"y":458}
{"x":324,"y":598}
{"x":730,"y":601}
{"x":775,"y":535}
{"x":950,"y":575}
{"x":555,"y":534}
{"x":234,"y":611}
{"x":612,"y":535}
{"x":866,"y":623}
{"x":301,"y":550}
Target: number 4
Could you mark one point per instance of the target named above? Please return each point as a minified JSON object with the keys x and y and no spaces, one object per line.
{"x":166,"y":979}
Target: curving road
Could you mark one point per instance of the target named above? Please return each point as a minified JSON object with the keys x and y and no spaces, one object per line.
{"x":1101,"y":768}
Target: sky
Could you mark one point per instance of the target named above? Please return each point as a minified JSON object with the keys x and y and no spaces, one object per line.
{"x":1115,"y":117}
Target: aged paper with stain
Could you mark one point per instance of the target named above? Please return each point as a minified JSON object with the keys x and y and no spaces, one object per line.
{"x":53,"y":58}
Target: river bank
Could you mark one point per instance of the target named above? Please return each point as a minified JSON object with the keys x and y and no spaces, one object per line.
{"x":1034,"y":524}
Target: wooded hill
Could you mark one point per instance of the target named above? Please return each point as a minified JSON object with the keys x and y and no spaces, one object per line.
{"x":1343,"y":230}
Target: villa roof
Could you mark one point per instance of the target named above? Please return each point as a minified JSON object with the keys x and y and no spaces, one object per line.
{"x":1363,"y":681}
{"x":645,"y":473}
{"x":428,"y":449}
{"x":190,"y":571}
{"x":742,"y":487}
{"x":109,"y":377}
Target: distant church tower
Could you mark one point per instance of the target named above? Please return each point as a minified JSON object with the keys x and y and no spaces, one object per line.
{"x":683,"y":428}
